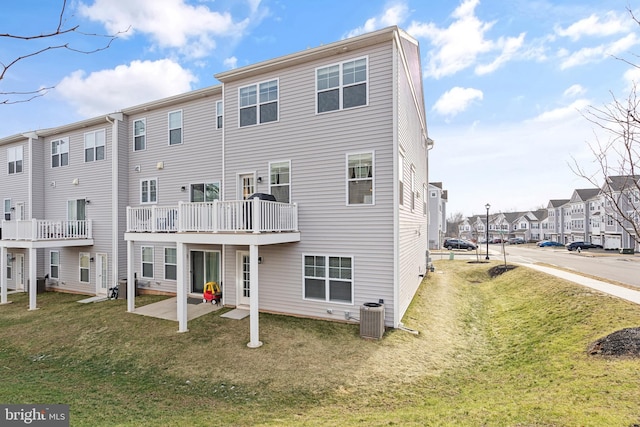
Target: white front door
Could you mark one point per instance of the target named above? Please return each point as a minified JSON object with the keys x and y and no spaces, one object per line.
{"x":102,"y":276}
{"x":246,"y":185}
{"x":243,"y":278}
{"x":20,"y":215}
{"x":19,"y":265}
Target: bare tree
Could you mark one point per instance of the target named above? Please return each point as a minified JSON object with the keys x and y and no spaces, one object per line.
{"x":452,"y":223}
{"x":617,"y":159}
{"x":59,"y":41}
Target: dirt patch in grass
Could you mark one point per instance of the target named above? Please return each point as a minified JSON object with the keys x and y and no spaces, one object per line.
{"x":500,"y":269}
{"x":622,"y":343}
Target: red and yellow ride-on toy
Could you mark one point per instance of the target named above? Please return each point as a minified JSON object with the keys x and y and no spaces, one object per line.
{"x":212,"y":293}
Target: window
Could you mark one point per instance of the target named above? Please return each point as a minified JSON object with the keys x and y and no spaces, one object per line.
{"x":219,"y":111}
{"x":280,"y":181}
{"x":54,"y":264}
{"x":140,"y":135}
{"x":175,"y":127}
{"x":328,"y":278}
{"x":147,"y":262}
{"x":341,"y":86}
{"x":84,"y":267}
{"x":259,"y":103}
{"x":94,"y":146}
{"x":60,"y":152}
{"x":360,"y":179}
{"x":401,"y":180}
{"x":170,"y":264}
{"x":149,"y":190}
{"x":14,"y":160}
{"x":9,"y":265}
{"x":206,"y":192}
{"x":76,"y":210}
{"x":7,"y":209}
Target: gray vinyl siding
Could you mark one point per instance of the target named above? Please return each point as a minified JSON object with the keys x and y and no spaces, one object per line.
{"x":37,"y":166}
{"x":13,"y":186}
{"x":413,"y":230}
{"x":197,"y":160}
{"x":317,"y":145}
{"x":94,"y":184}
{"x":124,"y":148}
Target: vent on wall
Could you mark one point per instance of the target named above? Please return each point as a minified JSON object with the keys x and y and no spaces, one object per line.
{"x":372,"y":320}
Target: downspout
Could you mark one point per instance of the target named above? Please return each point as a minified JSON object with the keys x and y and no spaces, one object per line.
{"x":396,"y":195}
{"x":115,"y":181}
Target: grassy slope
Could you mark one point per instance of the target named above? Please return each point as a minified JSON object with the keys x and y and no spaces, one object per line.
{"x":507,"y":351}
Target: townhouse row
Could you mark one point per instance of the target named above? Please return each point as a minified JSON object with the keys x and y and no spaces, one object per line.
{"x":606,"y":216}
{"x":331,"y":142}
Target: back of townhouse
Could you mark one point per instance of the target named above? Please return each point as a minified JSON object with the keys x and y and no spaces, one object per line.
{"x":337,"y":133}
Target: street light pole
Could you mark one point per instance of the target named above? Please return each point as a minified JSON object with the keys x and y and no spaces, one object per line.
{"x":487,"y":230}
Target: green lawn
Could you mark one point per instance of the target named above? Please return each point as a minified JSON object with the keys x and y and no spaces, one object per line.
{"x":509,"y":351}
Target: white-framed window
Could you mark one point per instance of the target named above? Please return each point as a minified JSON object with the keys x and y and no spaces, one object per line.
{"x":54,"y":264}
{"x":147,"y":262}
{"x":140,"y":135}
{"x":7,"y":209}
{"x":60,"y":152}
{"x":219,"y":114}
{"x":360,"y":183}
{"x":84,"y":267}
{"x":170,"y":264}
{"x":328,"y":278}
{"x":400,"y":179}
{"x":14,"y":160}
{"x":258,"y":103}
{"x":149,"y":190}
{"x":9,"y":265}
{"x":342,"y":86}
{"x":175,"y":127}
{"x":204,"y":192}
{"x":94,"y":143}
{"x":280,"y":180}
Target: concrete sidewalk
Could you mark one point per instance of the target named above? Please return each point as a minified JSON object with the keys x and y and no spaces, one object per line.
{"x":607,"y":288}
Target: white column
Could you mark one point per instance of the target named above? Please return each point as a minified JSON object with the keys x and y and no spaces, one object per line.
{"x":3,"y":275}
{"x":253,"y":297}
{"x":32,"y":279}
{"x":181,"y":284}
{"x":131,"y":284}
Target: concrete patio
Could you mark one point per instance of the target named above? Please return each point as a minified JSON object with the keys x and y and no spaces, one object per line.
{"x":167,"y":309}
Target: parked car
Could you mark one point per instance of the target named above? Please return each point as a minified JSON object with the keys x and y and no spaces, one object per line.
{"x":545,"y":243}
{"x":582,"y":245}
{"x":517,"y":241}
{"x":459,"y":244}
{"x":496,"y":241}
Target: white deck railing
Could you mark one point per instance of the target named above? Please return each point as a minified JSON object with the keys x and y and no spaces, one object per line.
{"x":44,"y":229}
{"x":252,"y":215}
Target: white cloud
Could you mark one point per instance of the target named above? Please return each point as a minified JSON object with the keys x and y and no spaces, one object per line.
{"x":456,"y":100}
{"x":574,"y":90}
{"x":105,"y":91}
{"x":598,"y":53}
{"x":563,"y":113}
{"x":611,"y":23}
{"x":174,"y":24}
{"x":458,"y":46}
{"x":231,"y":62}
{"x":394,"y":13}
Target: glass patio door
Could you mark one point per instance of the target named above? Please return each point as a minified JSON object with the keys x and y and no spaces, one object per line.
{"x":205,"y":267}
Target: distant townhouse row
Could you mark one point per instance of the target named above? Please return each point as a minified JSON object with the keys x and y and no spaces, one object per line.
{"x":606,"y":216}
{"x":159,"y":194}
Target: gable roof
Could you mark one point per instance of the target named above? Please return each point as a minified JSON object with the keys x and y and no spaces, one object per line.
{"x":556,"y":203}
{"x":622,"y":182}
{"x":584,"y":194}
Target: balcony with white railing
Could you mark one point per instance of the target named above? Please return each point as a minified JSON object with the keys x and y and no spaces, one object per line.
{"x":46,"y":230}
{"x":253,"y":216}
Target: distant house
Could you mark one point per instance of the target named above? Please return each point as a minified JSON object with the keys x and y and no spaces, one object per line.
{"x":437,"y":206}
{"x":160,"y":194}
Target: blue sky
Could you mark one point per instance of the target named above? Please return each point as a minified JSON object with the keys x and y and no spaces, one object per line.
{"x":505,"y":82}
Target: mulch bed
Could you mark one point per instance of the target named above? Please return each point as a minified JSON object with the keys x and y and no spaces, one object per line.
{"x":622,"y":343}
{"x":500,"y":269}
